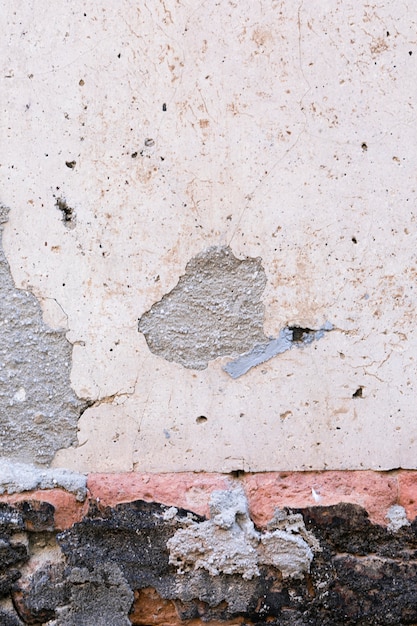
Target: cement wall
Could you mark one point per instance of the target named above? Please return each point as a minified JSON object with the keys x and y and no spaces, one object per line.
{"x":141,"y":145}
{"x":208,"y":268}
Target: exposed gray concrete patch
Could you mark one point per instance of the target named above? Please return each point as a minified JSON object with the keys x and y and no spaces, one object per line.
{"x":397,"y":518}
{"x":228,"y":543}
{"x":287,"y":339}
{"x":19,"y":477}
{"x":39,"y":410}
{"x":215,"y":310}
{"x":287,"y":544}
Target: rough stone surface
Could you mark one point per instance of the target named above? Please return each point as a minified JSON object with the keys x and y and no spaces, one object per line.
{"x":113,"y":567}
{"x":38,"y":594}
{"x":100,"y":596}
{"x":67,"y":509}
{"x":39,"y":409}
{"x":8,"y":617}
{"x":187,"y":490}
{"x":407,"y":493}
{"x":215,"y":310}
{"x":377,"y":492}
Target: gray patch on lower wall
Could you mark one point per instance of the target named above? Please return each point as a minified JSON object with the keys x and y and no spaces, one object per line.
{"x":101,"y":596}
{"x":397,"y":517}
{"x":39,"y":410}
{"x":215,"y":310}
{"x":228,"y":542}
{"x":20,"y":477}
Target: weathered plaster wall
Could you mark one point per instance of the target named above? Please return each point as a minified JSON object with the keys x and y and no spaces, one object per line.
{"x":139,"y":139}
{"x":208,"y":267}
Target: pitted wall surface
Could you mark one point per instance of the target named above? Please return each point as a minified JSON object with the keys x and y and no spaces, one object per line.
{"x":139,"y":136}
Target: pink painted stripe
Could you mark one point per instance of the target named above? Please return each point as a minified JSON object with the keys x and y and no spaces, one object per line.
{"x":375,"y":491}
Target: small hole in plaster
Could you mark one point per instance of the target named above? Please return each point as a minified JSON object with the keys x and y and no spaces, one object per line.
{"x":237,"y":473}
{"x":201,"y":419}
{"x":67,"y":212}
{"x":364,"y":146}
{"x":358,"y":393}
{"x":354,"y":240}
{"x":298,"y":333}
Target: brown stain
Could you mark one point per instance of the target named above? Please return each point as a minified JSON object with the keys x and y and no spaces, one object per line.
{"x":379,"y":45}
{"x":341,"y":410}
{"x":262,"y":36}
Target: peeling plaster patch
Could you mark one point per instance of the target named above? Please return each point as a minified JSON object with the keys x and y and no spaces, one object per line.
{"x":39,"y":410}
{"x":288,"y":338}
{"x":215,"y":310}
{"x":397,"y":518}
{"x":19,"y":477}
{"x":228,"y":543}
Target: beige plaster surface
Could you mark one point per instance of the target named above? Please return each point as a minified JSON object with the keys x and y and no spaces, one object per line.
{"x":284,"y":130}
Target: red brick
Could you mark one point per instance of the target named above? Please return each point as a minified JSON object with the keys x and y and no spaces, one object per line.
{"x":67,"y":509}
{"x":187,"y":490}
{"x":375,"y":491}
{"x":407,"y":492}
